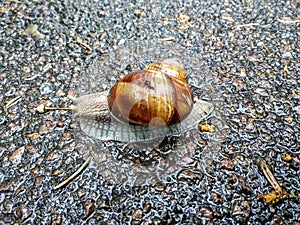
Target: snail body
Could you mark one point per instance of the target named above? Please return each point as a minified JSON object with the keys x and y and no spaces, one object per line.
{"x":147,"y":104}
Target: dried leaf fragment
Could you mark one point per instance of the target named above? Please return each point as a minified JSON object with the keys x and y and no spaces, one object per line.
{"x":206,"y":128}
{"x":32,"y":135}
{"x":270,"y":197}
{"x":165,"y":21}
{"x":287,"y":158}
{"x":5,"y":9}
{"x":207,"y":36}
{"x":32,"y":30}
{"x":182,"y":18}
{"x":285,"y":70}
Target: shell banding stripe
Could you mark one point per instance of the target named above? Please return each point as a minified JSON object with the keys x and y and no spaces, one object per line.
{"x":169,"y":70}
{"x":149,"y":97}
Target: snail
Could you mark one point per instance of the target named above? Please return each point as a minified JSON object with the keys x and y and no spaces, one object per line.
{"x":144,"y":105}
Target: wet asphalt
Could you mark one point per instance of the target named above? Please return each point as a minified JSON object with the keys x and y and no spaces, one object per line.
{"x":243,"y":56}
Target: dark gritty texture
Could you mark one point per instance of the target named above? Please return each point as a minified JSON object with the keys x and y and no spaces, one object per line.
{"x":256,"y":75}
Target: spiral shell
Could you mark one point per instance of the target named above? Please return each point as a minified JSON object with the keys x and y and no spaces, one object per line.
{"x":155,"y":96}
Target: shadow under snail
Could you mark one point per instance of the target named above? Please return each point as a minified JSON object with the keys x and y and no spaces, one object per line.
{"x":145,"y":105}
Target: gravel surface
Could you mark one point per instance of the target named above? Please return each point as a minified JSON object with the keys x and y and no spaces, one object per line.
{"x":243,"y":56}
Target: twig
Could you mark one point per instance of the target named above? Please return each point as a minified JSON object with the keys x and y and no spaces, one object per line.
{"x":288,"y":21}
{"x":247,"y":25}
{"x":11,"y":101}
{"x":80,"y":169}
{"x":170,"y":38}
{"x":270,"y":177}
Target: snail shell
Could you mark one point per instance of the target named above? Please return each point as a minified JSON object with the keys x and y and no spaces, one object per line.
{"x":147,"y":104}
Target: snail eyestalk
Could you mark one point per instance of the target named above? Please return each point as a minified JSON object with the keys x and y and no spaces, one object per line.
{"x":43,"y":109}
